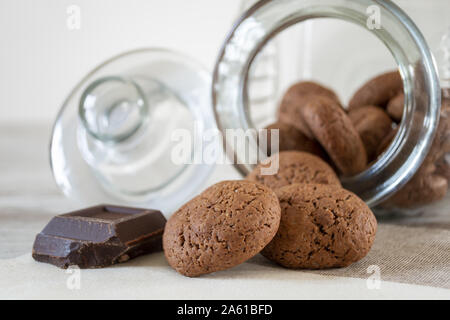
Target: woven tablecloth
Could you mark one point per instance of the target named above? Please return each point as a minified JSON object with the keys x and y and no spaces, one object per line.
{"x":410,"y":257}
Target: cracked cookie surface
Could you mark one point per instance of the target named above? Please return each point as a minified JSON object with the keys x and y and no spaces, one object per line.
{"x":321,"y":227}
{"x":224,"y":226}
{"x":295,"y":167}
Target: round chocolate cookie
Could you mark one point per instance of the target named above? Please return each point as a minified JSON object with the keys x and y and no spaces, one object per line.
{"x":386,"y":141}
{"x":395,"y":107}
{"x":321,"y":227}
{"x":224,"y":226}
{"x":294,"y":100}
{"x":295,"y":167}
{"x":424,"y":188}
{"x":377,"y":91}
{"x":443,"y":167}
{"x":443,"y":162}
{"x":429,"y":183}
{"x":441,"y":142}
{"x":290,"y":138}
{"x":373,"y":125}
{"x":334,"y":130}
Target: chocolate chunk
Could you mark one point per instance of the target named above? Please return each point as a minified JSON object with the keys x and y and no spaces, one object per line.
{"x":99,"y":236}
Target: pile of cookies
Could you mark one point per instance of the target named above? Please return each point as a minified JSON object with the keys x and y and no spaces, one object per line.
{"x":353,"y":138}
{"x":301,"y":217}
{"x":300,"y":225}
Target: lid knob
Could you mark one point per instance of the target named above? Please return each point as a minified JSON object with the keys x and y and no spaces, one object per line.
{"x":113,"y":108}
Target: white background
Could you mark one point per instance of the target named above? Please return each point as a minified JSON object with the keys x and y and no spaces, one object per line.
{"x":41,"y":59}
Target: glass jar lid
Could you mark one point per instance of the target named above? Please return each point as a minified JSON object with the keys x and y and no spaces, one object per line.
{"x":115,"y":136}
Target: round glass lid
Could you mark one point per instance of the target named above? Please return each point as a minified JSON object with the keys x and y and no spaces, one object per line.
{"x":126,"y":133}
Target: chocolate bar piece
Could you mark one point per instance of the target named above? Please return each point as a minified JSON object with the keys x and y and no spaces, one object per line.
{"x":100,"y":236}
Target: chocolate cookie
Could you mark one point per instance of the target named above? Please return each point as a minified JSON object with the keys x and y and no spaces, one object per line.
{"x":321,"y":227}
{"x":443,"y":167}
{"x":424,"y":188}
{"x":334,"y":130}
{"x":224,"y":226}
{"x":441,"y":142}
{"x":373,"y":125}
{"x":429,"y":183}
{"x":290,"y":138}
{"x":295,"y":167}
{"x":294,"y":100}
{"x":377,"y":91}
{"x":386,"y":141}
{"x":395,"y":107}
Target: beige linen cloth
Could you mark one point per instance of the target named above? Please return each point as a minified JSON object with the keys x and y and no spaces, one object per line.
{"x":410,"y":257}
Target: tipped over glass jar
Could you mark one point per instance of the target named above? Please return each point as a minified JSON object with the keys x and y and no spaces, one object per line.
{"x":342,"y":45}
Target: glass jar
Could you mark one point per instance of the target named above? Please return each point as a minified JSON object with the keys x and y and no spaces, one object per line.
{"x":347,"y":64}
{"x":113,"y":139}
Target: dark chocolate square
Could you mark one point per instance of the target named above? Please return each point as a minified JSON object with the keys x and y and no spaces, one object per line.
{"x":99,"y":236}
